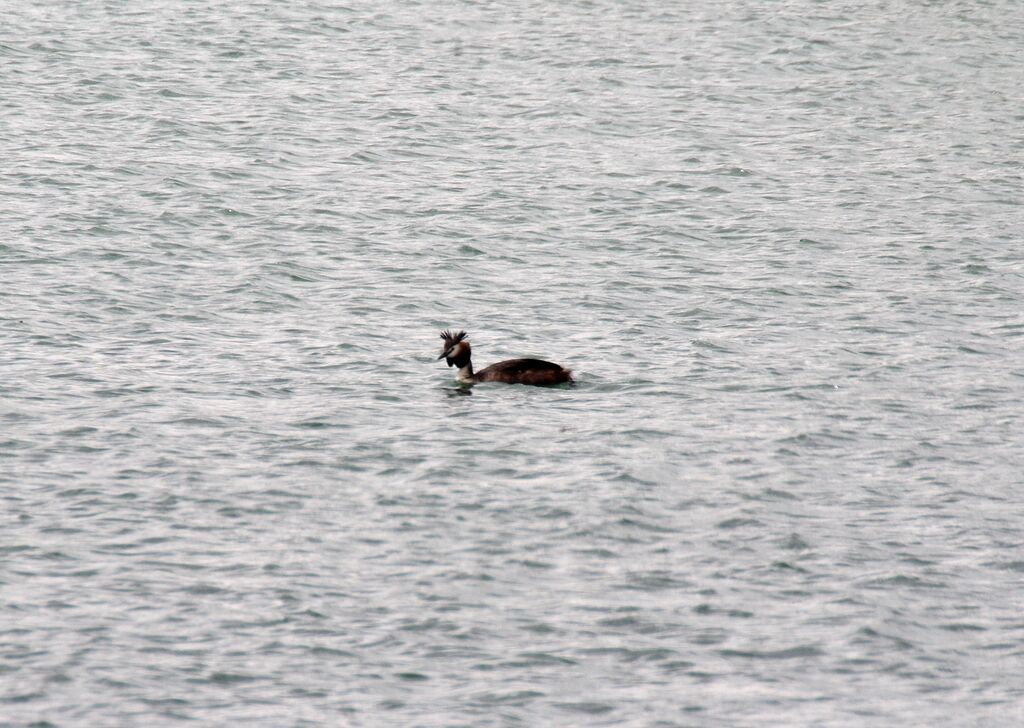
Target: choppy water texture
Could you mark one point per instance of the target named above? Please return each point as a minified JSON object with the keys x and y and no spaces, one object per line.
{"x":779,"y":242}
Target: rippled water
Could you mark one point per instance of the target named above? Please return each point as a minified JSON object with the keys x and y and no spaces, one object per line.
{"x":779,"y":243}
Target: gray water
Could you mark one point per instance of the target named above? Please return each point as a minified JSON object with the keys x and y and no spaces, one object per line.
{"x":780,"y":243}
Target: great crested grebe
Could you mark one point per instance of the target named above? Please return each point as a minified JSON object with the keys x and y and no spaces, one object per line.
{"x":456,"y":352}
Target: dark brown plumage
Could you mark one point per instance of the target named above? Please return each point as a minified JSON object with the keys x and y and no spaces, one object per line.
{"x":524,"y":371}
{"x":457,"y":352}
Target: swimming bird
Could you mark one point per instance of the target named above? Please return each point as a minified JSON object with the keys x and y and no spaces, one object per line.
{"x":456,"y":352}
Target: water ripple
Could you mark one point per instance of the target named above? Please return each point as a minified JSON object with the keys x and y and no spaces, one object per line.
{"x":778,"y":245}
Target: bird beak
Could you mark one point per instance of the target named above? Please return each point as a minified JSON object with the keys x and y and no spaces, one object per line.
{"x":443,"y":354}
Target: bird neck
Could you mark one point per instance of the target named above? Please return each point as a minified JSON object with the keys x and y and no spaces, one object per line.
{"x":465,"y":365}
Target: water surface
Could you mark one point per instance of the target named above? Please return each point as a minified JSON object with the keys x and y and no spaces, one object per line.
{"x":779,"y":243}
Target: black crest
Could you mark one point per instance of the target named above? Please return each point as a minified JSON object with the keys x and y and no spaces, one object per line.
{"x":451,"y":339}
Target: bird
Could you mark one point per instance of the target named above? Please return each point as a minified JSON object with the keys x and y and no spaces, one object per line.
{"x":456,"y":351}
